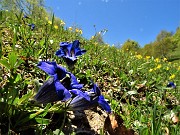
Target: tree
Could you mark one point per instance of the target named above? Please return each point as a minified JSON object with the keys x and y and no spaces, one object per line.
{"x":147,"y":50}
{"x":29,"y":7}
{"x":162,"y":35}
{"x":163,"y":44}
{"x":130,"y":45}
{"x":176,"y":38}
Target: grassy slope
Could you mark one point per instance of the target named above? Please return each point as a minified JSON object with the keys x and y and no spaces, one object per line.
{"x":136,"y":93}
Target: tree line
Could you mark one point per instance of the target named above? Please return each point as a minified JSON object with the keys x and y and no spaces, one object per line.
{"x":164,"y":45}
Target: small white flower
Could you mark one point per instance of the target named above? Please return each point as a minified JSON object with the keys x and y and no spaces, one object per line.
{"x":51,"y":41}
{"x":18,"y":46}
{"x":131,"y":71}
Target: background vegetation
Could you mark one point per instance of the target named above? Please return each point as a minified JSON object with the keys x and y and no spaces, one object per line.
{"x":133,"y":78}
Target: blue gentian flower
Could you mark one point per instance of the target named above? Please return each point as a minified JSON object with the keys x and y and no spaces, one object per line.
{"x":171,"y":84}
{"x":32,"y":26}
{"x":61,"y":85}
{"x":70,"y":52}
{"x":25,"y":16}
{"x":80,"y":103}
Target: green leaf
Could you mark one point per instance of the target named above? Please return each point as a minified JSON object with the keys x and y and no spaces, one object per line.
{"x":43,"y":121}
{"x":56,"y":108}
{"x":12,"y":95}
{"x":41,"y":51}
{"x":46,"y":109}
{"x":42,"y":42}
{"x":12,"y":59}
{"x":5,"y":63}
{"x":18,"y":78}
{"x":18,"y":63}
{"x":25,"y":97}
{"x":29,"y":117}
{"x":58,"y":132}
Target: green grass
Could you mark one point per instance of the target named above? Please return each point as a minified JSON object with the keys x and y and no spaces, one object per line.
{"x":135,"y":86}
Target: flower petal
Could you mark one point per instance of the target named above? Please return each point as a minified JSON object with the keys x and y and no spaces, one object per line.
{"x":74,"y":83}
{"x":47,"y":92}
{"x":52,"y":69}
{"x":96,"y":90}
{"x":80,"y":52}
{"x":104,"y":104}
{"x":63,"y":44}
{"x":76,"y":43}
{"x":72,"y":59}
{"x":80,"y":103}
{"x":48,"y":67}
{"x":61,"y":72}
{"x":171,"y":84}
{"x":60,"y":53}
{"x":81,"y":94}
{"x":62,"y":92}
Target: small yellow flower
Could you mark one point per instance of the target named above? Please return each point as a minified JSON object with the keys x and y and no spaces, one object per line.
{"x":127,"y":49}
{"x":165,"y":59}
{"x":139,"y":56}
{"x":46,"y":18}
{"x":157,"y":60}
{"x":55,"y":26}
{"x":159,"y":66}
{"x":70,"y":28}
{"x":169,"y":63}
{"x":148,"y":57}
{"x":150,"y":70}
{"x":77,"y":30}
{"x":167,"y":68}
{"x":80,"y":31}
{"x":172,"y":76}
{"x":92,"y":37}
{"x":49,"y":22}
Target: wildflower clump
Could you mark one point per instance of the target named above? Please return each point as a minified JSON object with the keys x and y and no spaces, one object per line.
{"x":63,"y":85}
{"x":60,"y":86}
{"x":70,"y":51}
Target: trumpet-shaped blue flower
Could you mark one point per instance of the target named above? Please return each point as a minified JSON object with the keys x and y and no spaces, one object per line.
{"x":80,"y":103}
{"x":61,"y":86}
{"x":70,"y":52}
{"x":32,"y":26}
{"x":171,"y":84}
{"x":25,"y":16}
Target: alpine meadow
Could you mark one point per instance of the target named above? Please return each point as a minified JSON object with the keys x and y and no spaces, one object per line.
{"x":54,"y":81}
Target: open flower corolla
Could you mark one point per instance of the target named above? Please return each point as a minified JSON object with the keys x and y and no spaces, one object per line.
{"x":80,"y":103}
{"x":61,"y":85}
{"x":70,"y":51}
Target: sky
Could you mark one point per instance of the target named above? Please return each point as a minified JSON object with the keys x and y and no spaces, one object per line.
{"x":139,"y":20}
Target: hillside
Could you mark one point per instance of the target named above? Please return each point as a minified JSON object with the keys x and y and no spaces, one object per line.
{"x":142,"y":91}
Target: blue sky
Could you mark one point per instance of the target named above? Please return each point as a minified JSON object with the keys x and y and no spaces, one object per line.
{"x":139,"y":20}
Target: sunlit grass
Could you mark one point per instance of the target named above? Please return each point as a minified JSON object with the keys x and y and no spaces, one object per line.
{"x":135,"y":85}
